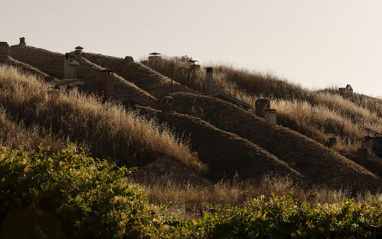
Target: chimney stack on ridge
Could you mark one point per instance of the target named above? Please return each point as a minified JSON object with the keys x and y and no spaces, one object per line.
{"x":22,"y":41}
{"x":210,"y":84}
{"x":4,"y":48}
{"x":107,"y":81}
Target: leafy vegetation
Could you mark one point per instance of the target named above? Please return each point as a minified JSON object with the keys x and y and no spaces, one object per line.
{"x":71,"y":195}
{"x":285,"y":217}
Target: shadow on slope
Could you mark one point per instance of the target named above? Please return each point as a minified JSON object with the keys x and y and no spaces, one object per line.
{"x":52,"y":63}
{"x":107,"y":130}
{"x":311,"y":159}
{"x":23,"y":67}
{"x":225,"y":154}
{"x":139,"y":74}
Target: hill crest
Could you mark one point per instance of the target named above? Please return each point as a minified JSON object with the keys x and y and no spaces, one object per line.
{"x":238,"y":131}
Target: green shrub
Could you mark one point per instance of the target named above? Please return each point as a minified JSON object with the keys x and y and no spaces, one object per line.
{"x":285,"y":217}
{"x":69,"y":195}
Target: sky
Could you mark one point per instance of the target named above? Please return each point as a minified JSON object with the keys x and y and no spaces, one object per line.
{"x":313,"y":43}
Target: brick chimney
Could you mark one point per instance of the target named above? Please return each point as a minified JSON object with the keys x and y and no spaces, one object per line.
{"x":78,"y":50}
{"x":107,"y":81}
{"x":22,"y":41}
{"x":210,"y":83}
{"x":70,"y":65}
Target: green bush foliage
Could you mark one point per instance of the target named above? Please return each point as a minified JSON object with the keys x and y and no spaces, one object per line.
{"x":69,"y":195}
{"x":285,"y":217}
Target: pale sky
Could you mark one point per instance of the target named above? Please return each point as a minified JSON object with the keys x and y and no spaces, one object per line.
{"x":314,"y":43}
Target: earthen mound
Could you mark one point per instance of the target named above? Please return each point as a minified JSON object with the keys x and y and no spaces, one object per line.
{"x":144,"y":77}
{"x":225,"y":154}
{"x":314,"y":161}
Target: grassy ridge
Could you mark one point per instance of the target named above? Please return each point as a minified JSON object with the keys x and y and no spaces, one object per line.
{"x":108,"y":131}
{"x":15,"y":135}
{"x":319,"y":115}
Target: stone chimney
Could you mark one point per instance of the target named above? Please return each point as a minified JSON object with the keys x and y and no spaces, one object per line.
{"x":107,"y":81}
{"x":270,"y":117}
{"x":70,"y":65}
{"x":167,"y":104}
{"x":22,"y":41}
{"x":155,"y":56}
{"x":4,"y":48}
{"x":262,"y":105}
{"x":210,"y":83}
{"x":129,"y":59}
{"x":78,"y":50}
{"x":194,"y":65}
{"x":349,"y":89}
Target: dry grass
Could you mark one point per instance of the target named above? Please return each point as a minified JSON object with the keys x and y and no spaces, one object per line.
{"x":190,"y":201}
{"x":14,"y":135}
{"x":108,"y":131}
{"x":316,"y":114}
{"x":129,"y":139}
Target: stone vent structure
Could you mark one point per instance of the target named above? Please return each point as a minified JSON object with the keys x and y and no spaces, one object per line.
{"x":261,"y":105}
{"x":22,"y":41}
{"x":155,"y":56}
{"x":166,"y":104}
{"x":70,"y":65}
{"x":129,"y":59}
{"x":218,"y":94}
{"x":4,"y":48}
{"x":348,"y":90}
{"x":78,"y":50}
{"x":104,"y":87}
{"x":194,"y":65}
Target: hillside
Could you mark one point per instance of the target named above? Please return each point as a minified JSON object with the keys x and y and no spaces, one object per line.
{"x":148,"y":80}
{"x":106,"y":130}
{"x":315,"y":162}
{"x":23,"y":67}
{"x":320,"y":115}
{"x":52,"y":64}
{"x":205,"y":138}
{"x":224,"y":153}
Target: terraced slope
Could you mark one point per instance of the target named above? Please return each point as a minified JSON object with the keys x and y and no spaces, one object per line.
{"x":224,"y":153}
{"x":125,"y":90}
{"x":142,"y":76}
{"x":53,"y":64}
{"x":23,"y":67}
{"x":233,"y":140}
{"x":315,"y":162}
